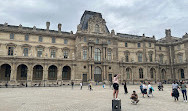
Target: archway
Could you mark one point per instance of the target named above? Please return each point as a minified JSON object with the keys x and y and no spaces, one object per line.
{"x":52,"y":72}
{"x":22,"y":72}
{"x":163,"y":74}
{"x":98,"y":74}
{"x":66,"y":73}
{"x":37,"y":72}
{"x":5,"y":72}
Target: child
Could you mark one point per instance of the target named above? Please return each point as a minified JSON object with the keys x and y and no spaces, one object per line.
{"x":150,"y":89}
{"x":134,"y":97}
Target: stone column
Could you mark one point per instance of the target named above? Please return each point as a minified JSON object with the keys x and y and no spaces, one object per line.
{"x":92,"y":72}
{"x":73,"y":72}
{"x":45,"y":75}
{"x":89,"y":75}
{"x":30,"y":75}
{"x":13,"y":74}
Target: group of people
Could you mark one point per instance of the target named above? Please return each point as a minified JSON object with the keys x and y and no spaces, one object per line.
{"x":175,"y":92}
{"x":146,"y":89}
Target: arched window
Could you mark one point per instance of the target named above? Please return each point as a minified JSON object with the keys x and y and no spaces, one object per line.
{"x":98,"y":74}
{"x":97,"y":54}
{"x":151,"y":73}
{"x":97,"y":28}
{"x":52,"y":72}
{"x":128,"y":72}
{"x":141,"y":76}
{"x":163,"y":74}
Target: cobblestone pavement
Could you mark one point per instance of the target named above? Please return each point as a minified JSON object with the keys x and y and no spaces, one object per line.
{"x":67,"y":99}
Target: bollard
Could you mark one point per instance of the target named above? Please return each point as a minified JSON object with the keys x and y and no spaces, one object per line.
{"x":116,"y":105}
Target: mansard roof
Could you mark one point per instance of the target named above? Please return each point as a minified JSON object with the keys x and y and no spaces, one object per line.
{"x":85,"y":18}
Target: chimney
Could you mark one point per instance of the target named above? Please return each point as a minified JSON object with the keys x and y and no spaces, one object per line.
{"x":59,"y":27}
{"x":168,"y":32}
{"x":112,"y":32}
{"x":47,"y":25}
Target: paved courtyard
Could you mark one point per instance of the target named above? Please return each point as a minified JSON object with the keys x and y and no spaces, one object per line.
{"x":66,"y":99}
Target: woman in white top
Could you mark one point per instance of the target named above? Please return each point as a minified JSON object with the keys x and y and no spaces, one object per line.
{"x":116,"y":86}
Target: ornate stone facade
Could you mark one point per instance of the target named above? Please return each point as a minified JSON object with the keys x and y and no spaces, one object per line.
{"x":46,"y":57}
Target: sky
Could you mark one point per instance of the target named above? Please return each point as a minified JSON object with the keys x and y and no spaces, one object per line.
{"x":135,"y":17}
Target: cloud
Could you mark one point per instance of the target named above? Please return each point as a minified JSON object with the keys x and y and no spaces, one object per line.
{"x":125,"y":16}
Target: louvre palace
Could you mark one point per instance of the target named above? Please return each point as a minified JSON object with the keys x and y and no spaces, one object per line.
{"x":30,"y":55}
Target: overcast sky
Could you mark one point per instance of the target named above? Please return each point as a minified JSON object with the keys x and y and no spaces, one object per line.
{"x":151,"y":17}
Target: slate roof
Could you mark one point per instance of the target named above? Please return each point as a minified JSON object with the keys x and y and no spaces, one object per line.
{"x":86,"y":16}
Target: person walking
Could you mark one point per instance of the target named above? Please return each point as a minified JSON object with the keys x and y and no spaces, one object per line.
{"x":144,"y":89}
{"x":80,"y":85}
{"x":72,"y":83}
{"x":104,"y":85}
{"x":184,"y":91}
{"x":116,"y":86}
{"x":141,"y":87}
{"x":125,"y":88}
{"x":150,"y":89}
{"x":90,"y":86}
{"x":175,"y":92}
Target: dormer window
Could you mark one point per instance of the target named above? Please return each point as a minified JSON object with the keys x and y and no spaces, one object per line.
{"x":11,"y":36}
{"x":97,"y":28}
{"x":26,"y":37}
{"x":97,"y":41}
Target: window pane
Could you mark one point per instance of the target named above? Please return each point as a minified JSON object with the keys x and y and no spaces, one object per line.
{"x":11,"y":36}
{"x":26,"y":37}
{"x":39,"y":53}
{"x":10,"y":51}
{"x":40,"y":38}
{"x":53,"y":53}
{"x":53,"y":39}
{"x":84,"y":54}
{"x":25,"y":52}
{"x":65,"y":41}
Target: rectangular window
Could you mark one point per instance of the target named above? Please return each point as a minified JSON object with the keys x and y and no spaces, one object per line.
{"x":127,"y":58}
{"x":65,"y":41}
{"x":140,"y":57}
{"x":25,"y":52}
{"x":109,"y":42}
{"x":109,"y":55}
{"x":159,"y":48}
{"x":84,"y":54}
{"x":126,"y":44}
{"x":65,"y":54}
{"x":26,"y":37}
{"x":53,"y":39}
{"x":180,"y":57}
{"x":11,"y":36}
{"x":85,"y":39}
{"x":139,"y":45}
{"x":39,"y":52}
{"x":10,"y":51}
{"x":53,"y":51}
{"x":97,"y":41}
{"x":161,"y":59}
{"x":149,"y":44}
{"x":150,"y":57}
{"x":40,"y":38}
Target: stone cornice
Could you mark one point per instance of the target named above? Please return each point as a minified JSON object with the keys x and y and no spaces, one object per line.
{"x":33,"y":31}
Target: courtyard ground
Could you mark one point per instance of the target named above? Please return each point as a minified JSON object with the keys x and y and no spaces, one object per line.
{"x":67,"y":99}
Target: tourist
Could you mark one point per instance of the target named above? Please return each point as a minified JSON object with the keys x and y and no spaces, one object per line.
{"x":144,"y":89}
{"x":90,"y":86}
{"x":150,"y":89}
{"x":175,"y":92}
{"x":160,"y":86}
{"x":125,"y":88}
{"x":134,"y":97}
{"x":72,"y":83}
{"x":184,"y":91}
{"x":80,"y":85}
{"x":115,"y":86}
{"x":141,"y":87}
{"x":104,"y":85}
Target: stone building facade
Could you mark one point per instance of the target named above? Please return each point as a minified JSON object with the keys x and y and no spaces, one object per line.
{"x":92,"y":54}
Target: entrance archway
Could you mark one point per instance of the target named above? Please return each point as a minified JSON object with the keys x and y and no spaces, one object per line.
{"x":98,"y":74}
{"x":66,"y":73}
{"x":52,"y":73}
{"x":5,"y":72}
{"x":37,"y":72}
{"x":22,"y":72}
